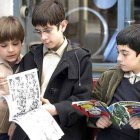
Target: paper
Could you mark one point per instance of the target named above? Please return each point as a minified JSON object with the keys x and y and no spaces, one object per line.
{"x":26,"y":110}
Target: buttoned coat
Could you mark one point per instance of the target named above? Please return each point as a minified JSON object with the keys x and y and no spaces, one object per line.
{"x":71,"y":81}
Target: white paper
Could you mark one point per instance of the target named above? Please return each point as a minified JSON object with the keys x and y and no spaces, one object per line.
{"x":40,"y":125}
{"x":26,"y":110}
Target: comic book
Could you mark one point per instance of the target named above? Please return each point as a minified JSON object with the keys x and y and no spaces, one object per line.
{"x":25,"y":107}
{"x":119,"y":112}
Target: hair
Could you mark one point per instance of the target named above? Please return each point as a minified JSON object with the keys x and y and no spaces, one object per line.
{"x":48,"y":12}
{"x":130,"y":36}
{"x":11,"y":29}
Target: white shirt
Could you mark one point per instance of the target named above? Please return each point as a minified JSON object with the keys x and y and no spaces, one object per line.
{"x":50,"y":62}
{"x":133,"y":78}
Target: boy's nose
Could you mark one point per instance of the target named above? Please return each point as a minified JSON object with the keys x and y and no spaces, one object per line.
{"x":119,"y":58}
{"x":44,"y":36}
{"x":10,"y":48}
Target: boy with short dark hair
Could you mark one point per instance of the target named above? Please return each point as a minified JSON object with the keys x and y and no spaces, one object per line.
{"x":11,"y":38}
{"x":65,"y":70}
{"x":121,"y":84}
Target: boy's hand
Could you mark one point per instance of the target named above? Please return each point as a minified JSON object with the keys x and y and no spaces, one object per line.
{"x":11,"y":130}
{"x":3,"y":81}
{"x":103,"y":122}
{"x":48,"y":106}
{"x":44,"y":101}
{"x":3,"y":85}
{"x":135,"y":122}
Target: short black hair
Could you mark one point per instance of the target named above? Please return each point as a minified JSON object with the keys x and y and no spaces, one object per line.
{"x":130,"y":36}
{"x":48,"y":12}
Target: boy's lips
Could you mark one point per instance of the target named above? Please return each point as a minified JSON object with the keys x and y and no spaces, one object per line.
{"x":11,"y":56}
{"x":122,"y":66}
{"x":46,"y":44}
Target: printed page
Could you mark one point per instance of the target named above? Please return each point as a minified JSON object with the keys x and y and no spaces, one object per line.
{"x":123,"y":110}
{"x":24,"y":92}
{"x":40,"y":125}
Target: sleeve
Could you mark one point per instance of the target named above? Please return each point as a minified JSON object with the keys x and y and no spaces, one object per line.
{"x":67,"y":114}
{"x":100,"y":91}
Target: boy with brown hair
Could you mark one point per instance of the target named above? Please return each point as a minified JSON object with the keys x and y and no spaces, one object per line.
{"x":11,"y":38}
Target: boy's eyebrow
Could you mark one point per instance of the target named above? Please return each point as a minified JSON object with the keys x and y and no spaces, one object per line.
{"x":42,"y":28}
{"x":123,"y":51}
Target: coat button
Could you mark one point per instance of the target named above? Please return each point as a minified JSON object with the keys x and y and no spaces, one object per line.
{"x":52,"y":90}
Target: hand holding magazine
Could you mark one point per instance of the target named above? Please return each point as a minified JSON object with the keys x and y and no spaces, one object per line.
{"x":119,"y":112}
{"x":26,"y":110}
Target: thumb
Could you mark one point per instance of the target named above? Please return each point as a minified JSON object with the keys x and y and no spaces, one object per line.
{"x":44,"y":101}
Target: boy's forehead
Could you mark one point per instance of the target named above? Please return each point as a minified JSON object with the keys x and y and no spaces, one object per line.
{"x":123,"y":47}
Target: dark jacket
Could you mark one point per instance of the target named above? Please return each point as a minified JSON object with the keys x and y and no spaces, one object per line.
{"x":71,"y":81}
{"x":107,"y":84}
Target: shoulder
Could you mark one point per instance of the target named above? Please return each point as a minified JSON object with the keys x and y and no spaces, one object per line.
{"x":75,"y":48}
{"x":114,"y":73}
{"x":34,"y":49}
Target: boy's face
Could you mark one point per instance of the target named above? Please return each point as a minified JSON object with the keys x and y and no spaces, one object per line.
{"x":10,"y":51}
{"x":52,"y":35}
{"x":127,"y":59}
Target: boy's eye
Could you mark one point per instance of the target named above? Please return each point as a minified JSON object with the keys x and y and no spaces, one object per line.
{"x":3,"y":45}
{"x":47,"y":30}
{"x":43,"y":31}
{"x":125,"y":53}
{"x":37,"y":31}
{"x":15,"y":43}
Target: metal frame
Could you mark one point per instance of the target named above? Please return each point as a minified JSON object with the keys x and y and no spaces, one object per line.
{"x":125,"y":14}
{"x":104,"y":24}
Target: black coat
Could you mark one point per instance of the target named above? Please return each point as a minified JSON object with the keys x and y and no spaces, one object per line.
{"x":71,"y":81}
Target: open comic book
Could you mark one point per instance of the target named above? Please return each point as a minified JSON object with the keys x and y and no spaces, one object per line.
{"x":26,"y":110}
{"x":119,"y":112}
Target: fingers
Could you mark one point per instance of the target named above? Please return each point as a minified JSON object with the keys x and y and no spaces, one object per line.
{"x":135,"y":122}
{"x":103,"y":122}
{"x":11,"y":130}
{"x":3,"y":81}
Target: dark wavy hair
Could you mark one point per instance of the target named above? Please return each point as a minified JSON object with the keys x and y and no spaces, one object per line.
{"x":48,"y":12}
{"x":130,"y":36}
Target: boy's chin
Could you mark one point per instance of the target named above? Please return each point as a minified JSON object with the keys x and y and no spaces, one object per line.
{"x":12,"y":62}
{"x":125,"y":70}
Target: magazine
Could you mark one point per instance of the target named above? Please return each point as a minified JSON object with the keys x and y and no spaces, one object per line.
{"x":119,"y":112}
{"x":25,"y":107}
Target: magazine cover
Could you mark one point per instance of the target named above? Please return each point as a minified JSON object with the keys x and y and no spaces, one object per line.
{"x":119,"y":112}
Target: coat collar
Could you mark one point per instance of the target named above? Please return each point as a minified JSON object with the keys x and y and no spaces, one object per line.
{"x":69,"y":61}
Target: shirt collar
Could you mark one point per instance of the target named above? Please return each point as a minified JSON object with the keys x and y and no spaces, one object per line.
{"x":17,"y":62}
{"x":19,"y":59}
{"x":131,"y":74}
{"x":59,"y":52}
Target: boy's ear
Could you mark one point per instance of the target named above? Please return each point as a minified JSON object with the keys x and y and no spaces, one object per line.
{"x":64,"y":24}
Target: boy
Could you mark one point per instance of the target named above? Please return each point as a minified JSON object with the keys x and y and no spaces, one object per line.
{"x":65,"y":70}
{"x":11,"y":38}
{"x":121,"y":84}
